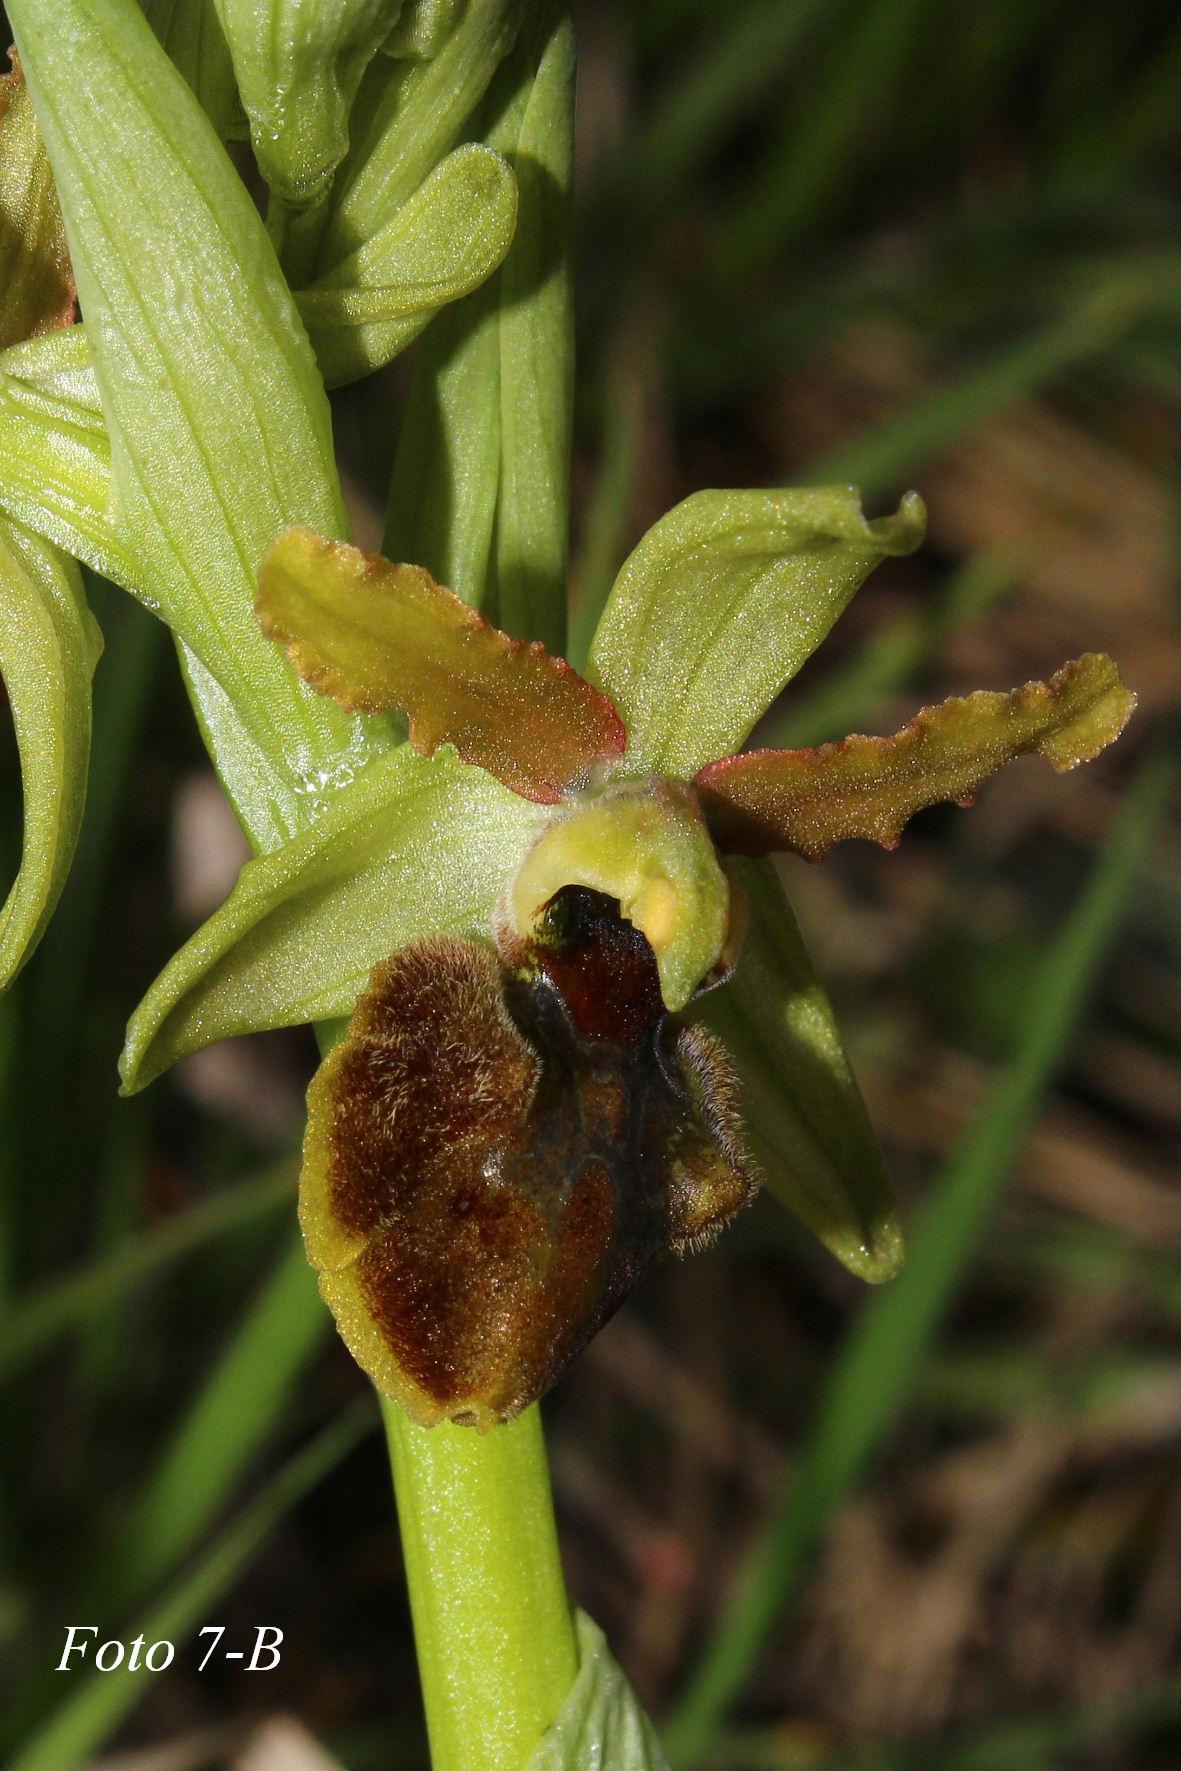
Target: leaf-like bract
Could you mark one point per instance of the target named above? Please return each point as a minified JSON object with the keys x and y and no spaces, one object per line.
{"x":413,"y":117}
{"x":378,"y":636}
{"x":806,"y":800}
{"x":55,"y":457}
{"x":437,"y":247}
{"x":192,"y":34}
{"x":49,"y":644}
{"x":721,"y":603}
{"x":536,"y":343}
{"x":601,"y":1722}
{"x":218,"y":423}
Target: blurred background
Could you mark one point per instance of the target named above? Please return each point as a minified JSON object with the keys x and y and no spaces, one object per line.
{"x":888,"y":241}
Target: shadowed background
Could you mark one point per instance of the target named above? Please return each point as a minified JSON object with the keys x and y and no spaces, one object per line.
{"x":888,"y":241}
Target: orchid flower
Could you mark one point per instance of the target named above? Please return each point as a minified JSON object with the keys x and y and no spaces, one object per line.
{"x":524,"y":907}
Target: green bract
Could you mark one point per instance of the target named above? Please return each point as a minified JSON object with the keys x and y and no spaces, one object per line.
{"x":402,"y":128}
{"x":440,"y":244}
{"x":191,"y":33}
{"x":601,"y":1722}
{"x":49,"y":645}
{"x":480,"y":484}
{"x":203,"y":368}
{"x":536,"y":344}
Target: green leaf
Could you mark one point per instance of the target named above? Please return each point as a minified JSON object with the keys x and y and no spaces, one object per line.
{"x":36,"y":283}
{"x":537,"y":347}
{"x":299,"y":64}
{"x":219,"y":426}
{"x":439,"y":245}
{"x":807,"y":1122}
{"x":719,"y":606}
{"x":192,"y":35}
{"x":412,"y":847}
{"x":601,"y":1722}
{"x":412,"y":117}
{"x":806,"y":800}
{"x":378,"y":636}
{"x":34,"y":1320}
{"x":49,"y":644}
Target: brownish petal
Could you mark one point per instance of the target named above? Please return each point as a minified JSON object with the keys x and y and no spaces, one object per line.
{"x":377,"y":637}
{"x":807,"y":800}
{"x":36,"y":280}
{"x":487,"y":1172}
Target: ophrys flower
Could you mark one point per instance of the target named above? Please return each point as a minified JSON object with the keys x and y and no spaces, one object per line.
{"x":520,"y":1117}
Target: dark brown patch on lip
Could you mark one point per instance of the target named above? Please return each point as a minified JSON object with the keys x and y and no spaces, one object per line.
{"x":505,"y":1156}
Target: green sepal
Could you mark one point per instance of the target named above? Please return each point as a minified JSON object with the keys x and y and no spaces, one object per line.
{"x":806,"y":1121}
{"x":299,"y":64}
{"x":721,"y":603}
{"x":442,"y":243}
{"x":206,"y":375}
{"x":411,"y":848}
{"x":648,"y":847}
{"x":36,"y":283}
{"x":49,"y":645}
{"x":601,"y":1721}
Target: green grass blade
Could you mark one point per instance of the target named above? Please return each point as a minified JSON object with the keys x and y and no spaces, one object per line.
{"x":883,"y":1356}
{"x":32,"y":1323}
{"x":717,"y":92}
{"x":891,"y":452}
{"x":240,"y":1405}
{"x":100,"y":1701}
{"x":1024,"y":1743}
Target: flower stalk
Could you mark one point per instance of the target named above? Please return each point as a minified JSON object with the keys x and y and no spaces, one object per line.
{"x":492,"y":1623}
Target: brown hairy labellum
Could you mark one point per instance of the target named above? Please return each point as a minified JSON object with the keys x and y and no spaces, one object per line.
{"x":494,"y":1157}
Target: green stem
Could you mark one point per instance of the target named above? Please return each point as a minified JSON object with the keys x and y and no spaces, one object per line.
{"x":492,"y":1623}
